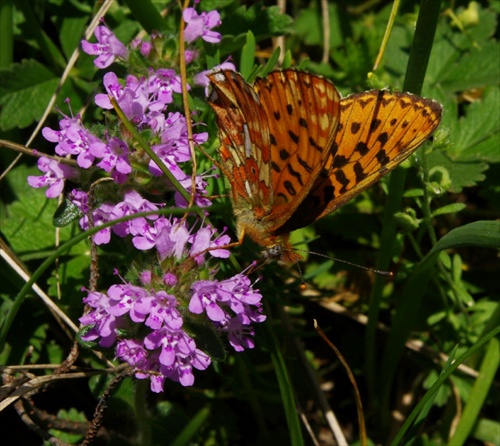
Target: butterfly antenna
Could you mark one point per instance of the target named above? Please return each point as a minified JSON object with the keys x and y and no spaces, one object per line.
{"x":303,"y":285}
{"x":346,"y":262}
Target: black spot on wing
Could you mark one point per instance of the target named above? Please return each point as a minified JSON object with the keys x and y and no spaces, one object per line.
{"x":339,"y":161}
{"x":304,"y":164}
{"x":382,"y":157}
{"x":383,"y":138}
{"x":355,"y":126}
{"x":313,"y":143}
{"x":362,"y":148}
{"x":342,"y":179}
{"x":293,"y":136}
{"x":295,"y":174}
{"x":374,"y":125}
{"x":284,"y":155}
{"x":289,"y":187}
{"x":359,"y":172}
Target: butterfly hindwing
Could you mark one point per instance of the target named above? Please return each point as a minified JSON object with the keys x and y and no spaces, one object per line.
{"x":377,"y":131}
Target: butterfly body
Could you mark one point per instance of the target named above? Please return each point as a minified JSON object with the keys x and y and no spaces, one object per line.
{"x":294,"y":151}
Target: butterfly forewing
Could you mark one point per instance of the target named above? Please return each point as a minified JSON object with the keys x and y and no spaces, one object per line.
{"x":244,"y":140}
{"x":377,"y":131}
{"x":303,"y":114}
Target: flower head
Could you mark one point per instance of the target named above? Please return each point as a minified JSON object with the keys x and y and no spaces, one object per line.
{"x":107,"y":48}
{"x":201,"y":25}
{"x":54,"y":175}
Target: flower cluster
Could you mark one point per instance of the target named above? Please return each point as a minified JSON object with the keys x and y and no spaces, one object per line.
{"x":164,"y":305}
{"x":158,"y":319}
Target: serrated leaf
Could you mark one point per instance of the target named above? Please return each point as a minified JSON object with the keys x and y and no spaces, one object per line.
{"x":25,"y":90}
{"x":29,"y":227}
{"x":486,"y":24}
{"x":476,"y":137}
{"x":476,"y":69}
{"x":462,"y":59}
{"x":462,"y":173}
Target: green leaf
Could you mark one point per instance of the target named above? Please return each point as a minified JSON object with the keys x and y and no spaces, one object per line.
{"x":476,"y":69}
{"x":25,"y":90}
{"x":72,"y":30}
{"x":70,"y":416}
{"x":309,"y":27}
{"x":463,"y":173}
{"x":446,"y":372}
{"x":487,"y":431}
{"x":477,"y":135}
{"x":485,"y":234}
{"x":264,"y":22}
{"x":479,"y":393}
{"x":449,"y":209}
{"x":248,"y":56}
{"x":29,"y":227}
{"x":192,"y":428}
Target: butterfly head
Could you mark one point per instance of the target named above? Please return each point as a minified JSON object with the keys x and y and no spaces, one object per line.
{"x":282,"y":253}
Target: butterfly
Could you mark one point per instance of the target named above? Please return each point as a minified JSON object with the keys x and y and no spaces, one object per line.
{"x":294,"y":151}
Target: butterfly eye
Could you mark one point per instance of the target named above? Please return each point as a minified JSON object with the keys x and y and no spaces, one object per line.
{"x":274,"y":252}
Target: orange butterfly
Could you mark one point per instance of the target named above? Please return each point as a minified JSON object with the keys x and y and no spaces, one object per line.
{"x":294,"y":151}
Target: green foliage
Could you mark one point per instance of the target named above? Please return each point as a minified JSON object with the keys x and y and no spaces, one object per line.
{"x":436,"y":222}
{"x":25,"y":90}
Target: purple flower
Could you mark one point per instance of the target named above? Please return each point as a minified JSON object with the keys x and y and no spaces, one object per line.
{"x":132,"y":351}
{"x":200,"y":191}
{"x":103,"y":325}
{"x":201,"y":25}
{"x":202,"y":241}
{"x":145,"y":48}
{"x":132,"y":204}
{"x":190,"y":55}
{"x":178,"y":355}
{"x":132,"y":99}
{"x":72,"y":139}
{"x":107,"y":48}
{"x":162,"y":83}
{"x":240,"y":334}
{"x":238,"y":291}
{"x":54,"y":175}
{"x":80,"y":199}
{"x":129,"y":299}
{"x":206,"y":299}
{"x":169,"y":238}
{"x":162,"y":312}
{"x":219,"y":300}
{"x":115,"y":158}
{"x":100,"y":215}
